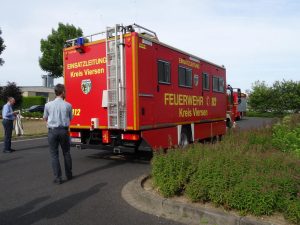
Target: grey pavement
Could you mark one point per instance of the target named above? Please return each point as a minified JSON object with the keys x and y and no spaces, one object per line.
{"x":253,"y":122}
{"x":28,"y":196}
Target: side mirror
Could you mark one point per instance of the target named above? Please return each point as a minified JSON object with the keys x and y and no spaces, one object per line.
{"x":230,"y":94}
{"x":239,"y":95}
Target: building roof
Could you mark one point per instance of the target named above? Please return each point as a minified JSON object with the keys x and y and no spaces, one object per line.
{"x":37,"y":89}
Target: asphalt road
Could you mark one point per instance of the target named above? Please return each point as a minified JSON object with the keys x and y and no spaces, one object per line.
{"x":93,"y":197}
{"x":253,"y":122}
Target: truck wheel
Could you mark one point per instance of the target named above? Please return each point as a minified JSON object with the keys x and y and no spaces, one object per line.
{"x":214,"y":140}
{"x":220,"y":138}
{"x":183,"y":139}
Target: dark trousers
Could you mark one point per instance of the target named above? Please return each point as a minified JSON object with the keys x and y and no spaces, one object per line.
{"x":56,"y":137}
{"x":8,"y":128}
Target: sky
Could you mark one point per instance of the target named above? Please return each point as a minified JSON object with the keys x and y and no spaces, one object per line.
{"x":254,"y":40}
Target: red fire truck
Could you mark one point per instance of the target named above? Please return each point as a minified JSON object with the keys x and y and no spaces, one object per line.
{"x":240,"y":104}
{"x":129,"y":89}
{"x":236,"y":106}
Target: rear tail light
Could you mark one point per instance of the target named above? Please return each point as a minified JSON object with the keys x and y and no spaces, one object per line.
{"x":75,"y":134}
{"x":106,"y":136}
{"x":131,"y":137}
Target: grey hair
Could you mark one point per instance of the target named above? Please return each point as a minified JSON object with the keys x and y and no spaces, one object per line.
{"x":10,"y":98}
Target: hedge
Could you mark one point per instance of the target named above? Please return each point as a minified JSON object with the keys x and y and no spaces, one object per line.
{"x":33,"y":100}
{"x":246,"y":171}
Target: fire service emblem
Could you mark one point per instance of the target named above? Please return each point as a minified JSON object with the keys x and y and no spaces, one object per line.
{"x":86,"y":86}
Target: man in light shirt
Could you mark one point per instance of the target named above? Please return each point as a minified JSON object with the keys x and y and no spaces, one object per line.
{"x":8,"y":116}
{"x":58,"y":114}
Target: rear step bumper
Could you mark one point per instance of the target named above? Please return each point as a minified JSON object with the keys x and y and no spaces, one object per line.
{"x":114,"y":149}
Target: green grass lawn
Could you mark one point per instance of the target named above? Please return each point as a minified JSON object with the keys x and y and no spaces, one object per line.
{"x":31,"y":128}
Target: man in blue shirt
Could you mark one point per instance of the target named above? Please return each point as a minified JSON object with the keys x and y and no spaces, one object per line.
{"x":58,"y":114}
{"x":8,"y":116}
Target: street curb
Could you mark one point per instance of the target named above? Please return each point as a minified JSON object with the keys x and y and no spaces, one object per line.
{"x":135,"y":195}
{"x":26,"y":138}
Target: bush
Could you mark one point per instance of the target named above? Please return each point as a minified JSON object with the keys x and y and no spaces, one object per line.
{"x":33,"y":100}
{"x":243,"y":172}
{"x":170,"y":172}
{"x":286,"y":134}
{"x":282,"y":96}
{"x":211,"y":179}
{"x":292,"y":213}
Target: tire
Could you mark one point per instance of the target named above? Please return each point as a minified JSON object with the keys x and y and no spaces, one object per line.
{"x":220,"y":137}
{"x":214,"y":140}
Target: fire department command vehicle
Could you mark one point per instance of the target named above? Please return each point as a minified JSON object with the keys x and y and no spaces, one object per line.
{"x":129,"y":89}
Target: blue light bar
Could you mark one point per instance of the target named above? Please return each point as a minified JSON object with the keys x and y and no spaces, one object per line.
{"x":80,"y":41}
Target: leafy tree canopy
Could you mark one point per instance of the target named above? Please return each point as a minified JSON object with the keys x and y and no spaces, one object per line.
{"x":51,"y":60}
{"x":12,"y":90}
{"x":2,"y":47}
{"x":281,"y":97}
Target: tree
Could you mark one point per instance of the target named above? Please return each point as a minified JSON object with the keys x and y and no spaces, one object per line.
{"x":12,"y":90}
{"x":52,"y":48}
{"x":282,"y":96}
{"x":286,"y":96}
{"x":260,"y":97}
{"x":2,"y":47}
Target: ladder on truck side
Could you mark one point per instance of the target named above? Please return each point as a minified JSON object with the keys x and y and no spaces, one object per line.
{"x":115,"y":75}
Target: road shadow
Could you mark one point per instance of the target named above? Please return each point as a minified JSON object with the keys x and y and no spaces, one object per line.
{"x":9,"y":216}
{"x":114,"y":160}
{"x":139,"y":157}
{"x":24,"y":215}
{"x":104,"y":167}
